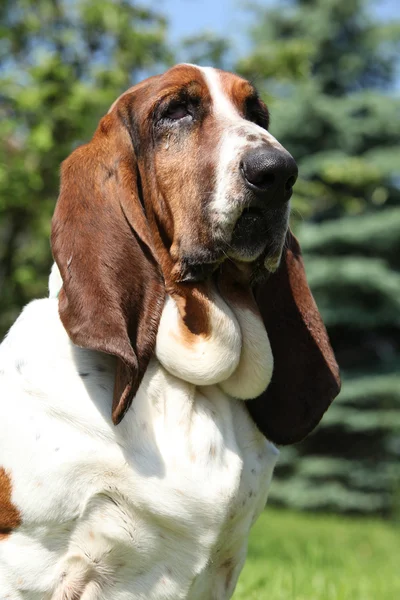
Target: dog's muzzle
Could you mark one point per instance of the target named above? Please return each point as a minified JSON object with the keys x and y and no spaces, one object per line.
{"x":268,"y":175}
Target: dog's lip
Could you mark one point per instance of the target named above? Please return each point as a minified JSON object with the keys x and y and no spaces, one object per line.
{"x":251,"y":212}
{"x":254,"y":210}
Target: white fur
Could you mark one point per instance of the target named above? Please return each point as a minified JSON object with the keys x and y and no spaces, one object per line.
{"x":254,"y":371}
{"x":159,"y":507}
{"x":222,"y":105}
{"x":203,"y":360}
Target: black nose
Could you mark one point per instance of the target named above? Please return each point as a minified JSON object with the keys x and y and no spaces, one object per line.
{"x":270,"y":172}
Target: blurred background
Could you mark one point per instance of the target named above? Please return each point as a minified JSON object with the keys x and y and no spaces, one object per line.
{"x":329,"y":71}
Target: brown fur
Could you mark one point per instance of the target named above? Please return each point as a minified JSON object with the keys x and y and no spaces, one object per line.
{"x":236,"y":88}
{"x":10,"y":517}
{"x":192,"y":302}
{"x":240,"y":92}
{"x":305,"y":379}
{"x":234,"y":285}
{"x":113,"y":290}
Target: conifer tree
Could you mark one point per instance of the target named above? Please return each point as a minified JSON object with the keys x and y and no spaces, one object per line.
{"x":327,"y":70}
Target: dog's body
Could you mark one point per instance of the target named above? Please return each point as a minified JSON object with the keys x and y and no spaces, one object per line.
{"x":159,"y":507}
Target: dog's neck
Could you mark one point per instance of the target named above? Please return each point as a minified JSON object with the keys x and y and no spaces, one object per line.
{"x":234,"y":352}
{"x":231,"y":347}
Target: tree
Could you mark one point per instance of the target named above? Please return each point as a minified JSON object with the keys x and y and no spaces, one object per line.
{"x":61,"y":65}
{"x":327,"y":70}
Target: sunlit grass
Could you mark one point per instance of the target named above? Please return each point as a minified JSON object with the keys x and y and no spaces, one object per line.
{"x":312,"y":557}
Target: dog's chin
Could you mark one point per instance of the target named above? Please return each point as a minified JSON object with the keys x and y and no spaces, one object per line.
{"x":198,"y":265}
{"x":257,"y":239}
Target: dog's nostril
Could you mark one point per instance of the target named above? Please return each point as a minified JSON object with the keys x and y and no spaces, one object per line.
{"x":290,"y":183}
{"x":267,"y":179}
{"x":257,"y":176}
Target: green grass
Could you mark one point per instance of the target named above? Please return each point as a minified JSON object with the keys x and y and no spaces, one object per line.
{"x":313,"y":557}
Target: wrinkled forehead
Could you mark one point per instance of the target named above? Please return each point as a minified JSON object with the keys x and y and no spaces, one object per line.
{"x":227,"y":92}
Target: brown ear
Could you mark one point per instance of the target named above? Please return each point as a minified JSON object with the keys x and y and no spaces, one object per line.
{"x":305,"y":378}
{"x":113,"y":291}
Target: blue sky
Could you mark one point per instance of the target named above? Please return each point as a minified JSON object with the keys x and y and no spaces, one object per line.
{"x":228,"y":17}
{"x":190,"y":16}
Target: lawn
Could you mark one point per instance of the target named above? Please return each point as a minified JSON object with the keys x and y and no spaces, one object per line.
{"x":316,"y":557}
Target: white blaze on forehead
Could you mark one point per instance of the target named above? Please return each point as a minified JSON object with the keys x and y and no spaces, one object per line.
{"x":222,"y":104}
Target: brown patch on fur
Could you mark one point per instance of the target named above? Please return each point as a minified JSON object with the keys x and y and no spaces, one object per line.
{"x":192,"y":301}
{"x":244,"y":96}
{"x":184,"y":172}
{"x":229,"y":566}
{"x":10,"y":517}
{"x":238,"y":89}
{"x":234,"y":285}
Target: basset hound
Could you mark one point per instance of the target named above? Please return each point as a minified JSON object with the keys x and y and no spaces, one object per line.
{"x":140,"y":403}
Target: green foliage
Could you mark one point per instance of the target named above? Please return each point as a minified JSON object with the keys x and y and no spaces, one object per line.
{"x":326,"y":69}
{"x":62,"y":64}
{"x":367,"y":236}
{"x":352,"y":462}
{"x":303,"y":557}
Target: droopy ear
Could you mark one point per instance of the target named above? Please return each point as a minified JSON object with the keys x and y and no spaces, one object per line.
{"x":113,"y":291}
{"x":305,"y":378}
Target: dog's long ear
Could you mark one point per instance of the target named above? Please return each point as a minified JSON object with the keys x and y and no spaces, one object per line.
{"x":305,"y":378}
{"x":113,"y":290}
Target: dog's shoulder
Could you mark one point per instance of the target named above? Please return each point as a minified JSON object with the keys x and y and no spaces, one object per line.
{"x":54,"y":398}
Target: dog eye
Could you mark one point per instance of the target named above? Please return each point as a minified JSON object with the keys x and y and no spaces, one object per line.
{"x":176,"y":111}
{"x":257,"y":112}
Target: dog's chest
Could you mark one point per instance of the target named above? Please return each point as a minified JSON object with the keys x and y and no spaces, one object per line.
{"x":179,"y":510}
{"x":159,"y":507}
